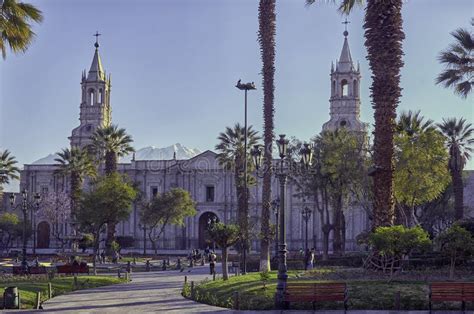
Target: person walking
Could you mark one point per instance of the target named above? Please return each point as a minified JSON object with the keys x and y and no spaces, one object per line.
{"x":312,"y":257}
{"x":307,"y":259}
{"x":212,"y":263}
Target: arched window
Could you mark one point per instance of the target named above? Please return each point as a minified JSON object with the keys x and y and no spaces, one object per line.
{"x":101,"y":95}
{"x":91,"y":97}
{"x":333,"y":88}
{"x":355,"y":88}
{"x":344,"y":88}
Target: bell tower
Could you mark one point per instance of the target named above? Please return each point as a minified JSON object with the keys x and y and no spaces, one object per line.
{"x":95,"y":106}
{"x":345,"y":93}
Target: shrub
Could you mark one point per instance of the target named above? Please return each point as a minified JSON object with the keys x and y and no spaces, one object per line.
{"x":456,"y":243}
{"x":390,"y":245}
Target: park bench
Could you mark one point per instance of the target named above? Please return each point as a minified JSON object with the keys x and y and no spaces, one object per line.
{"x":72,"y":269}
{"x":315,"y":292}
{"x":32,"y":270}
{"x":451,"y":292}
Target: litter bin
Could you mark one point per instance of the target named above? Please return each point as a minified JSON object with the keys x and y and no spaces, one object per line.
{"x":11,"y":298}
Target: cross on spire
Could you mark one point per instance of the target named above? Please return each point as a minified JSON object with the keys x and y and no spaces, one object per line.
{"x":345,"y":23}
{"x":96,"y":35}
{"x":345,"y":27}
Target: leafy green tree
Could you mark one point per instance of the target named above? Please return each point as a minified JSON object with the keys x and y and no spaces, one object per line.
{"x":459,"y":137}
{"x":76,"y":164}
{"x":15,"y":27}
{"x":459,"y":62}
{"x":390,"y":245}
{"x":109,"y":202}
{"x":456,"y":242}
{"x":342,"y":157}
{"x":231,"y":155}
{"x":9,"y":227}
{"x":339,"y":168}
{"x":108,"y":144}
{"x":224,"y":236}
{"x":421,"y":172}
{"x":266,"y":39}
{"x":171,"y":207}
{"x":382,"y":18}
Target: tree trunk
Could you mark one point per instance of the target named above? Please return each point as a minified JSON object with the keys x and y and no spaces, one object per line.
{"x":326,"y":232}
{"x":451,"y":267}
{"x":458,"y":189}
{"x":110,"y":162}
{"x":75,"y":193}
{"x":110,"y":237}
{"x":343,"y":234}
{"x":337,"y":230}
{"x":385,"y":60}
{"x":225,"y":275}
{"x":266,"y":38}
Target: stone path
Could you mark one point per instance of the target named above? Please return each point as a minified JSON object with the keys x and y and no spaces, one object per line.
{"x":147,"y":293}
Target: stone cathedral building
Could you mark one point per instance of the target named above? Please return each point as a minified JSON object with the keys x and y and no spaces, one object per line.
{"x":210,"y":185}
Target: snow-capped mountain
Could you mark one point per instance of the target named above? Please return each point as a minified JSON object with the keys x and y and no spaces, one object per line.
{"x":48,"y":160}
{"x":154,"y":153}
{"x":145,"y":153}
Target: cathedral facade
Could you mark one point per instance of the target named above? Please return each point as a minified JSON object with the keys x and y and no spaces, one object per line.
{"x":211,"y":186}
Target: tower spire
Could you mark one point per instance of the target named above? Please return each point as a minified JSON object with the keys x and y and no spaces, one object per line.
{"x":96,"y":72}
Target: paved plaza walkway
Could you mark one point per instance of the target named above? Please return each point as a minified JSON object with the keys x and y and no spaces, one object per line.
{"x":157,"y":292}
{"x":147,"y":293}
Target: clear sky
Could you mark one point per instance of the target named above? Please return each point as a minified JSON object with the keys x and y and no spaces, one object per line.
{"x":174,"y":64}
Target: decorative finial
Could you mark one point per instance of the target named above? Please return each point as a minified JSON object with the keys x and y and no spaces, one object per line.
{"x":345,"y":27}
{"x":96,"y":45}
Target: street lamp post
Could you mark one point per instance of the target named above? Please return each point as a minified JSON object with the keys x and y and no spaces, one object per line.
{"x":282,"y":173}
{"x":33,"y":225}
{"x":306,"y":213}
{"x":275,"y":206}
{"x":143,"y":227}
{"x":245,"y":87}
{"x":24,"y":206}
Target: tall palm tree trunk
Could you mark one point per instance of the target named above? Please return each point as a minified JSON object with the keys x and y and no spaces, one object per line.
{"x":384,"y":36}
{"x":110,"y":167}
{"x":458,"y":189}
{"x":266,"y":37}
{"x":110,"y":163}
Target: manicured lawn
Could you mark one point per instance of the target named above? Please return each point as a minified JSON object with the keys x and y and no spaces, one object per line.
{"x":29,"y":287}
{"x":368,"y":294}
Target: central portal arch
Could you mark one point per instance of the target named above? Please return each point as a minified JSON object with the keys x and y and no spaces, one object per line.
{"x":204,"y":221}
{"x":43,"y":235}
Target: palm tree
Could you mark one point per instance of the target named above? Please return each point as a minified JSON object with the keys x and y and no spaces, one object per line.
{"x":385,"y":60}
{"x":14,"y":25}
{"x":110,"y":143}
{"x":413,"y":123}
{"x":231,"y":155}
{"x":459,"y":139}
{"x":266,"y":38}
{"x":459,"y":62}
{"x":76,"y":164}
{"x":8,"y":169}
